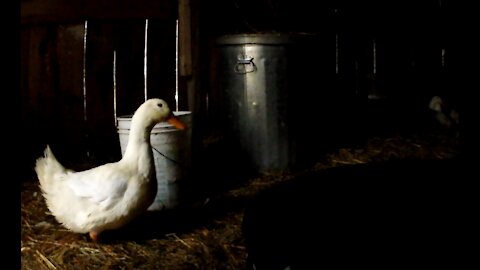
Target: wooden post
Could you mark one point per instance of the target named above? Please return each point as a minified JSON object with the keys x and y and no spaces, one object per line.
{"x":184,"y":38}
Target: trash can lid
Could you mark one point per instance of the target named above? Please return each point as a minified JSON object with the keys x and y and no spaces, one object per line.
{"x":262,"y":38}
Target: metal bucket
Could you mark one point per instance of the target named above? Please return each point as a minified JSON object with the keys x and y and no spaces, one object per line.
{"x":264,"y":80}
{"x":172,"y":157}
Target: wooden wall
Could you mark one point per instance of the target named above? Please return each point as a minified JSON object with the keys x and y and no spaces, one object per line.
{"x":412,"y":46}
{"x":67,"y":67}
{"x":412,"y":42}
{"x":411,"y":38}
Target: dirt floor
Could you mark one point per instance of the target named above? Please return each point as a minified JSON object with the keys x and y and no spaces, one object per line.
{"x":206,"y":236}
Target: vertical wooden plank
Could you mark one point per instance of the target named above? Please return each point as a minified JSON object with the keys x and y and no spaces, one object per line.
{"x":36,"y":95}
{"x":355,"y":58}
{"x":161,"y":61}
{"x":129,"y":40}
{"x":346,"y":66}
{"x":211,"y":97}
{"x":427,"y":49}
{"x":70,"y":94}
{"x":52,"y":92}
{"x":38,"y":48}
{"x":207,"y":97}
{"x":449,"y":46}
{"x":26,"y":172}
{"x":355,"y":30}
{"x":103,"y":142}
{"x":188,"y":55}
{"x":185,"y":37}
{"x":393,"y":64}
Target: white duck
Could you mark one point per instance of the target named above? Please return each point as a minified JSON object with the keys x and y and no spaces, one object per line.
{"x":444,"y":115}
{"x":109,"y":196}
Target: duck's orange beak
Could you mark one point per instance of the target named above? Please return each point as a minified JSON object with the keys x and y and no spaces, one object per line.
{"x":176,"y":122}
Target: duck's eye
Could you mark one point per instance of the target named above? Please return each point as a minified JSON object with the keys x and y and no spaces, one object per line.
{"x":160,"y":105}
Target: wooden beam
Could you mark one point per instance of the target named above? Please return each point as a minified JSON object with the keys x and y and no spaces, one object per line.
{"x":54,"y":11}
{"x":184,"y":38}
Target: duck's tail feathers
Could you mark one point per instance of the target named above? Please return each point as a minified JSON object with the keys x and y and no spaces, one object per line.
{"x":48,"y":170}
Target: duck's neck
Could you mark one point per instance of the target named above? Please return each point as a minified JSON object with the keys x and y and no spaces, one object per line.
{"x":138,"y":146}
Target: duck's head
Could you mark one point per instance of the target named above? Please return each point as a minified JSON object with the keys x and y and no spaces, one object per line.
{"x":156,"y":110}
{"x":436,"y":104}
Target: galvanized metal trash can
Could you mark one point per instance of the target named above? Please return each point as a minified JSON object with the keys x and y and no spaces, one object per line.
{"x":264,"y":79}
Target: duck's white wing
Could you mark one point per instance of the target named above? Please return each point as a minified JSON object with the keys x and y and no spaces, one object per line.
{"x":102,"y":185}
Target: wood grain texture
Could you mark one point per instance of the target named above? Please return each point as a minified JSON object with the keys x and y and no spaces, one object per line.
{"x":60,"y":11}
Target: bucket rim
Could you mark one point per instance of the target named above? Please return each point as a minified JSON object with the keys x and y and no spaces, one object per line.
{"x":176,"y":113}
{"x":185,"y":116}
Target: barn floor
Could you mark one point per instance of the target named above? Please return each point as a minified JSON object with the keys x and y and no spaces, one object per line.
{"x":206,"y":236}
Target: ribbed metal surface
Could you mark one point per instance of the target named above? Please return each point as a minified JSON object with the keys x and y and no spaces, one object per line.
{"x":259,"y":73}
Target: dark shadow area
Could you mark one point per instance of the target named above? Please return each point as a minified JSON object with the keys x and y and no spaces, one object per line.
{"x":158,"y":224}
{"x":223,"y":166}
{"x":401,"y":213}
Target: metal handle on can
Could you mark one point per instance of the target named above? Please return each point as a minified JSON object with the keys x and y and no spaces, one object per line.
{"x":244,"y":65}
